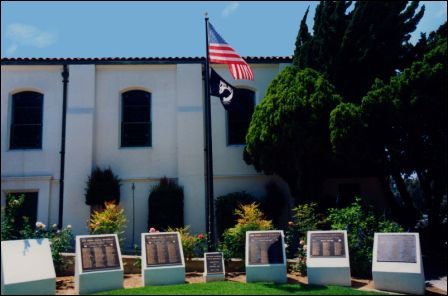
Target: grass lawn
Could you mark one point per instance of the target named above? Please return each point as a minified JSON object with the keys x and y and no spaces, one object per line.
{"x":235,"y":288}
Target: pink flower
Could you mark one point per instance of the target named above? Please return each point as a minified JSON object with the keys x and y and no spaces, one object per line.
{"x":290,"y":223}
{"x":200,"y":236}
{"x":152,"y":229}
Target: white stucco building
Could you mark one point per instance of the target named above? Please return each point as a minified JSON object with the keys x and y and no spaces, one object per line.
{"x":94,"y":133}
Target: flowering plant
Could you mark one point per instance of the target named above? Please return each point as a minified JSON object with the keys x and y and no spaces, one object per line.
{"x":193,"y":245}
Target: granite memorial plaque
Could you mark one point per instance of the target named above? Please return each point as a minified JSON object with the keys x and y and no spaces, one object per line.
{"x":327,"y":244}
{"x":99,"y":253}
{"x":214,"y":263}
{"x":396,"y":248}
{"x":162,"y":250}
{"x":265,"y":248}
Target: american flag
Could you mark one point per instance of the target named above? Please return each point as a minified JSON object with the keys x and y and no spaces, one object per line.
{"x":222,"y":53}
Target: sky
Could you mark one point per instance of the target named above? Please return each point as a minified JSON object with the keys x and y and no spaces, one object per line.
{"x":59,"y":29}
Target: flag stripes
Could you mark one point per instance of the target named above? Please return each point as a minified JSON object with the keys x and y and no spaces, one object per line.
{"x":221,"y":53}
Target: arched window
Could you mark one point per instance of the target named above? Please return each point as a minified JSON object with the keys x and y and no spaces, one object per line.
{"x":136,"y":119}
{"x":26,"y":120}
{"x":239,"y":116}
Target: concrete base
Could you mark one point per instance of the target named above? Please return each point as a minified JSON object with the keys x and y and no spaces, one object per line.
{"x":325,"y":276}
{"x":98,"y":281}
{"x":41,"y":287}
{"x":409,"y":283}
{"x":401,"y":277}
{"x":266,"y":273}
{"x":156,"y":276}
{"x":214,"y":277}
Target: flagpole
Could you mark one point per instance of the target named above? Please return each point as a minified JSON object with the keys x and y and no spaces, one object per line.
{"x":208,"y":154}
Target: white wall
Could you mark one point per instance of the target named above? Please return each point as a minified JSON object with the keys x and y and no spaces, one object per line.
{"x":93,"y":136}
{"x":34,"y":169}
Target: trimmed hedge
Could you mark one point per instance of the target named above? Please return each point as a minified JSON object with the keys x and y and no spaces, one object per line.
{"x":166,"y":205}
{"x":102,"y":186}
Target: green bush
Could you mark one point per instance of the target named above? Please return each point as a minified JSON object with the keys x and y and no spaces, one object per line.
{"x":166,"y":205}
{"x":361,"y":224}
{"x":225,"y":209}
{"x":9,"y":217}
{"x":102,"y":186}
{"x":250,"y":217}
{"x":305,"y":218}
{"x":192,"y":245}
{"x":60,"y":239}
{"x":111,"y":220}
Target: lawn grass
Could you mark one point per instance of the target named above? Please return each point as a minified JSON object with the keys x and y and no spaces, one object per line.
{"x":235,"y":288}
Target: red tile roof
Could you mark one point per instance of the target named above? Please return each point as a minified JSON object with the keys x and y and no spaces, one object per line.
{"x":133,"y":60}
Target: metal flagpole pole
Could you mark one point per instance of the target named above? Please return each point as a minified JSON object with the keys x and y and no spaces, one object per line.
{"x":208,"y":155}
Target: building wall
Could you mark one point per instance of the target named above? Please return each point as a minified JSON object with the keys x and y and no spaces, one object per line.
{"x":36,"y":169}
{"x":93,"y":138}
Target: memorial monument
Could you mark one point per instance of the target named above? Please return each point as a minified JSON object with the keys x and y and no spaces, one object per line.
{"x":27,"y":268}
{"x":98,"y":263}
{"x":327,"y":258}
{"x":214,"y":269}
{"x":265,"y":256}
{"x":397,"y":263}
{"x":162,"y":259}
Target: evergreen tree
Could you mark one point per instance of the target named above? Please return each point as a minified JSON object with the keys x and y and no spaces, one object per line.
{"x":354,"y":48}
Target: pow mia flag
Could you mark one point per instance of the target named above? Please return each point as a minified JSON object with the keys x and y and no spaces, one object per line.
{"x":222,"y":89}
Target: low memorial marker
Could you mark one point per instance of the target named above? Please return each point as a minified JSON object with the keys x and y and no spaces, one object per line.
{"x":98,"y":264}
{"x":27,"y":268}
{"x":265,"y":256}
{"x":397,"y":263}
{"x":327,"y":258}
{"x":162,"y":259}
{"x":214,"y":269}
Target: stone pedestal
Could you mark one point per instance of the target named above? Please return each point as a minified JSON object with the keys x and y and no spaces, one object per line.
{"x":162,"y":259}
{"x":214,"y":268}
{"x":397,"y":263}
{"x":328,"y":260}
{"x":27,"y":268}
{"x":98,"y":263}
{"x":265,"y":256}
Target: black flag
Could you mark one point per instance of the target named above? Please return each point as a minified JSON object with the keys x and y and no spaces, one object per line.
{"x":222,"y":89}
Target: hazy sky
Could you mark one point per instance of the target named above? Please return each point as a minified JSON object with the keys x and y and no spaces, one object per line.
{"x":159,"y":29}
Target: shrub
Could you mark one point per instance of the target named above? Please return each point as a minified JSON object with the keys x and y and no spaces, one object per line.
{"x":300,"y":266}
{"x":305,"y":218}
{"x":361,"y":224}
{"x":250,"y":218}
{"x":192,"y":245}
{"x":226,"y":206}
{"x":9,"y":230}
{"x":102,"y":186}
{"x":110,"y":221}
{"x":166,"y":205}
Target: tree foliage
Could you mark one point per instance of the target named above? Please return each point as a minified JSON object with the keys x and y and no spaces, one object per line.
{"x":353,"y":48}
{"x":289,"y":130}
{"x":403,"y":125}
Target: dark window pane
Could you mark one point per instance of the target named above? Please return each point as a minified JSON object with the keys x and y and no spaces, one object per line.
{"x":136,"y":119}
{"x":26,"y":123}
{"x":239,"y":116}
{"x":26,"y":136}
